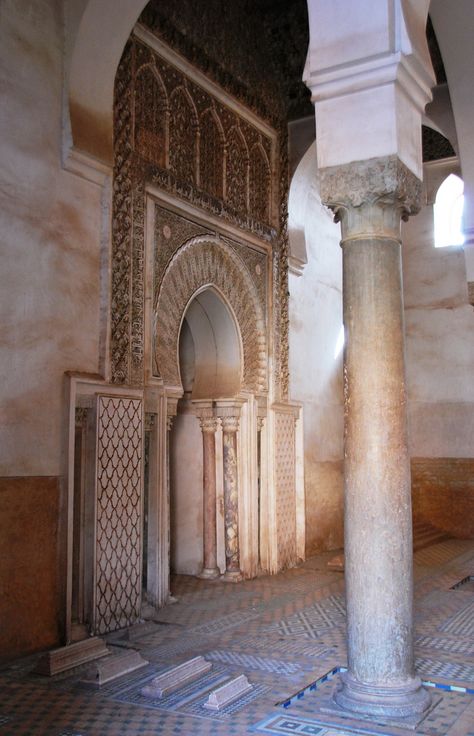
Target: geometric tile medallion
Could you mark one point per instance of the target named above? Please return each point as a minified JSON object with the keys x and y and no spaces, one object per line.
{"x":446,"y":670}
{"x":454,"y":646}
{"x":311,"y":621}
{"x":283,"y":724}
{"x":462,"y":623}
{"x":249,"y":661}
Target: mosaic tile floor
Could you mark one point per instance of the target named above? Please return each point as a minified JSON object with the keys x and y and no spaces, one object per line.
{"x":286,"y":634}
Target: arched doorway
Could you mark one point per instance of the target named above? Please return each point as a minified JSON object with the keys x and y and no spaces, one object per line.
{"x":211,"y":369}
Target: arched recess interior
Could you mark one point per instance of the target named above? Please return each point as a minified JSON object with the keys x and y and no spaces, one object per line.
{"x":209,"y":348}
{"x":210,"y":368}
{"x":200,"y":262}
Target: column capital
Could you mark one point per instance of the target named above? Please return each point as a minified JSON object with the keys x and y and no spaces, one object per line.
{"x":208,"y":424}
{"x":171,"y":411}
{"x":370,"y":197}
{"x":228,"y":410}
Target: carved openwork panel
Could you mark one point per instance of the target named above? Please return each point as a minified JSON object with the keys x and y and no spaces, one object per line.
{"x":196,"y":132}
{"x":151,"y":110}
{"x":285,"y":488}
{"x":201,"y":262}
{"x":118,"y":533}
{"x":183,"y":136}
{"x":259,"y":178}
{"x":211,"y":154}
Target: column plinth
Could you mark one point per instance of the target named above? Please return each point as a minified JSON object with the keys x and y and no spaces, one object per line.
{"x":370,"y":198}
{"x":209,"y":424}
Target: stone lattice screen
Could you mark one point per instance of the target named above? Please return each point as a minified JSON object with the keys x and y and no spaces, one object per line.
{"x":285,"y":488}
{"x":118,"y":532}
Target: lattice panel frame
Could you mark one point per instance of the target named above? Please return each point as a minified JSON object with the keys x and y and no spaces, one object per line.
{"x":119,"y":483}
{"x":285,"y":472}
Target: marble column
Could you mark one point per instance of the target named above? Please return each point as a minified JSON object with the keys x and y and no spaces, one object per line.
{"x":229,"y":415}
{"x":370,"y":198}
{"x":209,"y":424}
{"x":171,"y":411}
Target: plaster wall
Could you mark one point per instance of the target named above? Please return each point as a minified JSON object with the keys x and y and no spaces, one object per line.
{"x":440,"y":354}
{"x":186,"y":500}
{"x":439,"y":344}
{"x":315,"y":370}
{"x":50,"y":256}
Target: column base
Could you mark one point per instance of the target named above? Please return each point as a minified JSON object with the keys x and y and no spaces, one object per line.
{"x":232,"y":576}
{"x":209,"y":573}
{"x":408,"y":699}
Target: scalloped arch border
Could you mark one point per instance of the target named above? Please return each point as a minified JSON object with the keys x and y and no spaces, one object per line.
{"x":206,"y":261}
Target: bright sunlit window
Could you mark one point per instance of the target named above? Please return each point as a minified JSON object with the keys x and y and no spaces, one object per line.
{"x":448,"y":209}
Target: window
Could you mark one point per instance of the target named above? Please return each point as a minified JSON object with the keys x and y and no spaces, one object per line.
{"x":448,"y":209}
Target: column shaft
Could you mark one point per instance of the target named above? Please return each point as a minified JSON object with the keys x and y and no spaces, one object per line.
{"x":378,"y":520}
{"x":210,"y":568}
{"x":230,"y":426}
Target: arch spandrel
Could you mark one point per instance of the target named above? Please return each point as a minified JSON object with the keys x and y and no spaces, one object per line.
{"x":206,"y":261}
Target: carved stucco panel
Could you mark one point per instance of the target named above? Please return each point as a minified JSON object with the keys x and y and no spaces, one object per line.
{"x":208,"y":261}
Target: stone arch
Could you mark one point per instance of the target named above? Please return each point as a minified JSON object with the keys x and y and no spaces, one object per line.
{"x":206,"y":261}
{"x":302,"y":181}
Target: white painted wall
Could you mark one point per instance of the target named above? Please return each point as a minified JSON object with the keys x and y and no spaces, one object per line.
{"x":439,"y":344}
{"x":186,"y":500}
{"x":50,"y":223}
{"x":315,"y":372}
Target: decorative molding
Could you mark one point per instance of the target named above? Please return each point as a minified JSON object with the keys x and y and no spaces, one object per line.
{"x":86,"y":167}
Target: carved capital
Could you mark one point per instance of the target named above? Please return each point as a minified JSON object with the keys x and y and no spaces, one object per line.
{"x":230,"y":424}
{"x":209,"y":424}
{"x":470,"y":292}
{"x":149,"y":421}
{"x":229,"y":412}
{"x":260,"y":422}
{"x":81,"y":416}
{"x":370,"y":197}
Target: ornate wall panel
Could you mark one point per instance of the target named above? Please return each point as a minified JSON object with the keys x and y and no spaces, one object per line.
{"x":172,"y":133}
{"x":118,"y":512}
{"x":285,"y":488}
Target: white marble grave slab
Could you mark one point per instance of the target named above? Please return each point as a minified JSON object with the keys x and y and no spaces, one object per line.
{"x":226,"y":694}
{"x":72,"y":655}
{"x":115,"y":666}
{"x":175,"y":678}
